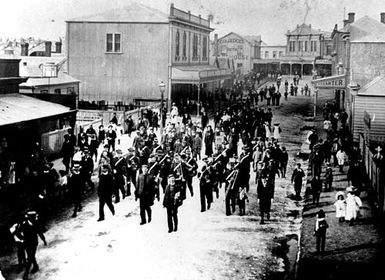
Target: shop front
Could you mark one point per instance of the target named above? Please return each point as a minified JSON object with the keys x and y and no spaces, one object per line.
{"x":333,"y":87}
{"x":194,"y":86}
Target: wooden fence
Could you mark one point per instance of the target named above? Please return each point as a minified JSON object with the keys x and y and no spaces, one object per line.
{"x":374,"y":172}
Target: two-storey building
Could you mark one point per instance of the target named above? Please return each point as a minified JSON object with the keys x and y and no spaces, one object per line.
{"x":122,"y":55}
{"x":308,"y":51}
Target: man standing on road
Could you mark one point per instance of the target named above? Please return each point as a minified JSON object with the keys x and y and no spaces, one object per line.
{"x":296,"y":178}
{"x":145,"y":192}
{"x":264,"y":198}
{"x":172,"y":201}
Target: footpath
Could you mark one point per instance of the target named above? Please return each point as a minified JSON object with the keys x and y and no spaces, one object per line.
{"x":351,"y":252}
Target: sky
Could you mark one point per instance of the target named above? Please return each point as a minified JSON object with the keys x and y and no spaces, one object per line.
{"x":271,"y":19}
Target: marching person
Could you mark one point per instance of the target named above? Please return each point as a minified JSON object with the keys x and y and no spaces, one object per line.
{"x":191,"y":167}
{"x":264,"y":198}
{"x":75,"y":185}
{"x":119,"y":172}
{"x":30,"y":232}
{"x":105,"y":190}
{"x":171,"y":202}
{"x":145,"y":192}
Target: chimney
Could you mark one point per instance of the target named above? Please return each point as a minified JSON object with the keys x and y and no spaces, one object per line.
{"x":346,"y":22}
{"x":216,"y":45}
{"x":172,"y":10}
{"x":58,"y":47}
{"x":382,"y":19}
{"x":351,"y":17}
{"x":24,"y":49}
{"x":48,"y":46}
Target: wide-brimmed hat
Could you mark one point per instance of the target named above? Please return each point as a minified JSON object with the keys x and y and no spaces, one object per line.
{"x":321,"y":214}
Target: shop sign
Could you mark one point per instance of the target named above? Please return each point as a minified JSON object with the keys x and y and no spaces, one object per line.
{"x":331,"y":82}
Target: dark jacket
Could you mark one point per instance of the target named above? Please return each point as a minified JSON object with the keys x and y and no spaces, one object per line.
{"x":105,"y":188}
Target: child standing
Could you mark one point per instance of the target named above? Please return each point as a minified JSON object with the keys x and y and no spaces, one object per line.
{"x":340,"y":205}
{"x":242,"y":201}
{"x":320,"y":231}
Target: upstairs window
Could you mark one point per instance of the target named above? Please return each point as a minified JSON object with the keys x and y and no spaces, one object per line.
{"x":184,"y":44}
{"x":195,"y":47}
{"x":204,"y":51}
{"x":114,"y":42}
{"x":266,"y":54}
{"x":177,"y":39}
{"x":274,"y":54}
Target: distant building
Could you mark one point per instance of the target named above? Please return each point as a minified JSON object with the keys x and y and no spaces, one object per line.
{"x":307,"y":50}
{"x":122,"y":55}
{"x":243,"y":50}
{"x":270,"y":58}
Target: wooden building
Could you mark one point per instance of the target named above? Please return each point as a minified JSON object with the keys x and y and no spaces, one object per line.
{"x":122,"y":55}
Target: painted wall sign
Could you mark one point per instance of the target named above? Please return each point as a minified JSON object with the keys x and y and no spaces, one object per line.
{"x":331,"y":82}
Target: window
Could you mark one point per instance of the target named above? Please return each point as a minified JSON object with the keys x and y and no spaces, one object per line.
{"x":306,"y":45}
{"x":239,"y":65}
{"x":204,"y":51}
{"x":313,"y":46}
{"x":266,"y":54}
{"x":292,"y":46}
{"x":195,"y":47}
{"x":70,"y":90}
{"x":57,"y":91}
{"x":177,"y":45}
{"x":184,"y":44}
{"x":328,"y":50}
{"x":300,"y":45}
{"x":113,"y":42}
{"x":240,"y":51}
{"x":274,"y":54}
{"x":223,"y":51}
{"x":255,"y":51}
{"x":280,"y":54}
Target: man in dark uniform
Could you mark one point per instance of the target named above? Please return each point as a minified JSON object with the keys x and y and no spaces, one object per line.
{"x":165,"y":169}
{"x":232,"y":181}
{"x":192,"y":167}
{"x":105,"y":190}
{"x":145,"y":192}
{"x":132,"y":162}
{"x":92,"y":142}
{"x":111,"y":137}
{"x":244,"y":167}
{"x":30,"y":232}
{"x":264,"y":198}
{"x":119,"y":172}
{"x":87,"y":169}
{"x":172,"y":201}
{"x":205,"y":186}
{"x":75,"y":185}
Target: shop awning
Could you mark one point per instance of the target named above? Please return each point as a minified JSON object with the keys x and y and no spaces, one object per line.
{"x":198,"y":74}
{"x":15,"y":108}
{"x":335,"y":82}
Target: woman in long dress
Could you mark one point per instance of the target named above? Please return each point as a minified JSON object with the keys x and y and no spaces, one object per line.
{"x":353,"y":205}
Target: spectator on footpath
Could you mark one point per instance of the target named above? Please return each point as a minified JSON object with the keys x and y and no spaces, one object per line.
{"x":328,"y":177}
{"x":130,"y":125}
{"x":341,"y":158}
{"x":320,"y":231}
{"x":316,"y":187}
{"x":353,"y":205}
{"x":284,"y":158}
{"x":340,"y":205}
{"x":296,"y":179}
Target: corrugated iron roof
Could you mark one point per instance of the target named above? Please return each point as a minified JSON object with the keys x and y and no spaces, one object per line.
{"x":15,"y":108}
{"x":62,"y":78}
{"x":374,"y":87}
{"x":132,"y":13}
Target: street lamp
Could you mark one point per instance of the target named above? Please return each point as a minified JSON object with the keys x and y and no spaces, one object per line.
{"x":162,"y":88}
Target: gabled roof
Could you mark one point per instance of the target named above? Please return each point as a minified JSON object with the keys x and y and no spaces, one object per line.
{"x":374,"y":87}
{"x":134,"y":12}
{"x":305,"y":29}
{"x":32,"y":67}
{"x":367,"y":30}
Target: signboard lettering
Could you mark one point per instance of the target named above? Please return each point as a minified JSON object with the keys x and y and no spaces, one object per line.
{"x":337,"y":82}
{"x":231,"y":40}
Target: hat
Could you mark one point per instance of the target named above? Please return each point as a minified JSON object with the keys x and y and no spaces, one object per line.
{"x":321,"y":214}
{"x":378,"y":149}
{"x":76,"y":166}
{"x":119,"y":151}
{"x":328,"y":164}
{"x":171,"y":176}
{"x":144,"y":165}
{"x":350,"y":189}
{"x":131,"y":150}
